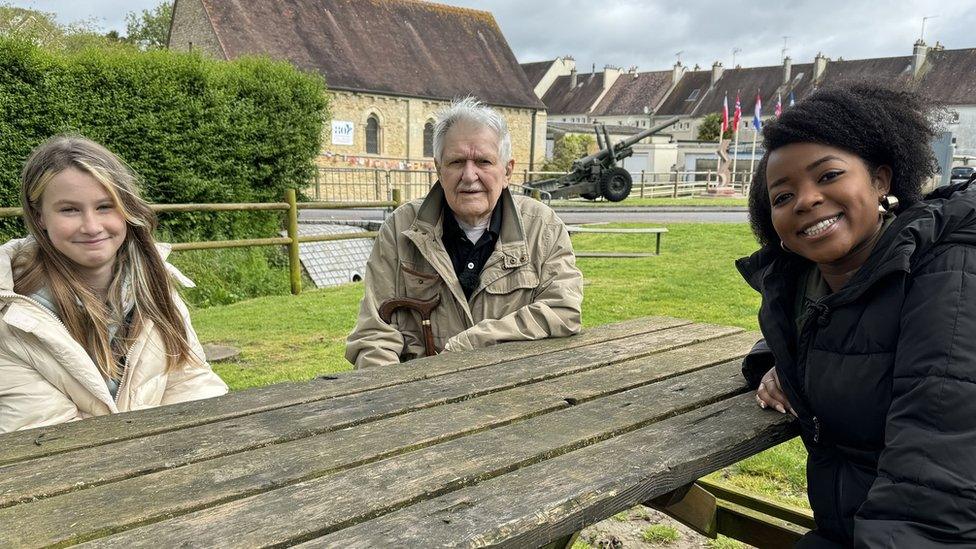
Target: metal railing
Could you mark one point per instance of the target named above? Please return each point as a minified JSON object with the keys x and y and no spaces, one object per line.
{"x":292,"y":240}
{"x":351,"y":184}
{"x":356,"y":184}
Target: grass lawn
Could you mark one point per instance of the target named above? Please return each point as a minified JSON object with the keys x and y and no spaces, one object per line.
{"x":298,"y":337}
{"x":635,"y":200}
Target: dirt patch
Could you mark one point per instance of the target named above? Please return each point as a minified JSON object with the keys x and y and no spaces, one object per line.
{"x":644,"y":528}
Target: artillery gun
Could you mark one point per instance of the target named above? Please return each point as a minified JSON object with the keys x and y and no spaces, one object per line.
{"x":598,"y":174}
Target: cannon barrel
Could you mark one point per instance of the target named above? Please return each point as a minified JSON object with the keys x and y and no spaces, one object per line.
{"x":602,"y":154}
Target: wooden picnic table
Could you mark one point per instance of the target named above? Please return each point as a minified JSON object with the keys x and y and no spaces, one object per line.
{"x":515,"y":445}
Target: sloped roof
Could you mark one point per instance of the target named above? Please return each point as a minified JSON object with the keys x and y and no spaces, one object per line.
{"x":766,"y":81}
{"x":571,"y":127}
{"x":951,"y":78}
{"x":883,"y":68}
{"x":632,"y":92}
{"x":390,"y":47}
{"x":690,"y":91}
{"x":535,"y":71}
{"x":561,"y":99}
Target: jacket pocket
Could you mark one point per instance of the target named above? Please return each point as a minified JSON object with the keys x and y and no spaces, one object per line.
{"x":419,"y":284}
{"x":521,"y":279}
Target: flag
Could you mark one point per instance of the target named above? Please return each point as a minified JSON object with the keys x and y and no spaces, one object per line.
{"x":779,"y":105}
{"x":725,"y":115}
{"x":792,"y":99}
{"x":757,"y":117}
{"x":737,"y":115}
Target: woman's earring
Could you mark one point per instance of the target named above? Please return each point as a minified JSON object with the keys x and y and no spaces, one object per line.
{"x":887,"y":203}
{"x":785,"y":249}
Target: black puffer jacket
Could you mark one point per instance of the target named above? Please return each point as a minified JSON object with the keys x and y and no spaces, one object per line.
{"x":883,"y":378}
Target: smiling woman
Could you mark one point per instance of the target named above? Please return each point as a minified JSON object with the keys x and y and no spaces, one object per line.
{"x":91,"y":323}
{"x":867,"y":310}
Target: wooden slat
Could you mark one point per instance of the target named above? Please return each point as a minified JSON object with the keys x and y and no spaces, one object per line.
{"x":539,"y":503}
{"x":331,"y":502}
{"x":119,"y":505}
{"x":75,"y":470}
{"x":756,"y":502}
{"x":122,"y":504}
{"x":32,"y":443}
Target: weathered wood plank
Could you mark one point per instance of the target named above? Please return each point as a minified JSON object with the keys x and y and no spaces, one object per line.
{"x":115,"y":506}
{"x":75,"y":470}
{"x":324,"y":504}
{"x":32,"y":443}
{"x":332,"y":502}
{"x":539,"y":503}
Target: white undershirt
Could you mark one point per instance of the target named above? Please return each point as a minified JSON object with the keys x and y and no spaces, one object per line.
{"x":474,"y":232}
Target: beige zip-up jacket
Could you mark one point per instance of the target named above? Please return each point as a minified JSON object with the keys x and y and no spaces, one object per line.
{"x":46,"y":377}
{"x":530,"y":286}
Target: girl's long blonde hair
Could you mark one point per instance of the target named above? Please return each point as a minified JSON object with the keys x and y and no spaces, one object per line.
{"x":85,"y":315}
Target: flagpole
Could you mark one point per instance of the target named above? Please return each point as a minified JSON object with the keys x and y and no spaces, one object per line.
{"x":736,"y":157}
{"x":752,"y":161}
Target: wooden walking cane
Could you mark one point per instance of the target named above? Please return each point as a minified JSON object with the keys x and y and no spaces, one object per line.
{"x":424,"y":307}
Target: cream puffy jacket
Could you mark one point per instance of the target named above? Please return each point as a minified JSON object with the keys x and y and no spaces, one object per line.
{"x":46,"y":377}
{"x":530,"y":286}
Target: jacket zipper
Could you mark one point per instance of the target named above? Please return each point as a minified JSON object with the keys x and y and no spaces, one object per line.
{"x":814,"y":312}
{"x":61,"y":322}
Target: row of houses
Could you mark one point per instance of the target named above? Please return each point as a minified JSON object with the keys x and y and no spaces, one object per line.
{"x":640,"y":99}
{"x":391,"y":64}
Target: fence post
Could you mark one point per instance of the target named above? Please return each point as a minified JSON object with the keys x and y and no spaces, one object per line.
{"x":397,"y":198}
{"x":537,"y":194}
{"x":674,"y":193}
{"x":377,"y":188}
{"x":642,"y":184}
{"x":525,"y":176}
{"x":318,"y":183}
{"x":294,"y":263}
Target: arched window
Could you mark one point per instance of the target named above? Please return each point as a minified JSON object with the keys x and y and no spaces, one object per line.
{"x":372,"y":135}
{"x":429,"y":139}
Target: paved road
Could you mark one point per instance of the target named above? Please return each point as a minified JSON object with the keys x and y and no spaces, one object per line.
{"x":647,"y":215}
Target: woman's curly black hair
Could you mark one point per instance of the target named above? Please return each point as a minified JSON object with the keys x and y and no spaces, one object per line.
{"x":883,"y":125}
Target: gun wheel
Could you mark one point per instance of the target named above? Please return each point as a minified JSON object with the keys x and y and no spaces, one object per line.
{"x":615,"y":184}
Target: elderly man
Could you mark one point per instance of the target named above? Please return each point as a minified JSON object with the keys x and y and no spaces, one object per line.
{"x":500,"y":267}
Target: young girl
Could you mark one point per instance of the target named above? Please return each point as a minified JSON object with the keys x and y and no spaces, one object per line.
{"x":90,"y":323}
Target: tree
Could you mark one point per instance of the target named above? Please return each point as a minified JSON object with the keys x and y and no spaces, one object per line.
{"x":41,"y":29}
{"x":566,"y":149}
{"x":149,"y":29}
{"x":708,"y":129}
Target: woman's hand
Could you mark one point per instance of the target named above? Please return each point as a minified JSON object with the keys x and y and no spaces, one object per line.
{"x":771,"y":394}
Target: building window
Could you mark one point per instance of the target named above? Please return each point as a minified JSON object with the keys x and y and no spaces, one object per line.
{"x":372,"y":135}
{"x":694,"y":94}
{"x":429,"y":138}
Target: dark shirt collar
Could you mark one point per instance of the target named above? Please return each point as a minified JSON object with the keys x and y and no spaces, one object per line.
{"x":453,"y":230}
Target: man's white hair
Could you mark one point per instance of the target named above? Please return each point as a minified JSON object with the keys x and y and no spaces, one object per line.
{"x":474,"y":111}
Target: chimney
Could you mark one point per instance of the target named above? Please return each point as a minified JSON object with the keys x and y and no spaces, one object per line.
{"x":819,"y":67}
{"x":677,"y":71}
{"x":717,"y":70}
{"x":918,"y":57}
{"x":787,"y":70}
{"x":573,"y":80}
{"x":610,"y":75}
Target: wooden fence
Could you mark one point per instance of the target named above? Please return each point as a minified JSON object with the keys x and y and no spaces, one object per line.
{"x":292,"y":240}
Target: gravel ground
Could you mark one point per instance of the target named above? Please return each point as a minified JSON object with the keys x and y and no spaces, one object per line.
{"x":645,"y":528}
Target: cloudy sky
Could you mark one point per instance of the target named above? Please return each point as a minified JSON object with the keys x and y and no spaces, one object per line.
{"x":650,"y":33}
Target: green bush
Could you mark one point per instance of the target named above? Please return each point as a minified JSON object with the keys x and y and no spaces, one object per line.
{"x":230,"y":275}
{"x":195,"y":129}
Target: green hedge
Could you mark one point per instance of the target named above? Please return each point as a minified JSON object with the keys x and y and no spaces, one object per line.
{"x":195,"y":129}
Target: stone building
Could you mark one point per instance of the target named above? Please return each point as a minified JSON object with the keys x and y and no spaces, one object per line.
{"x":389,"y":65}
{"x":947,"y":76}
